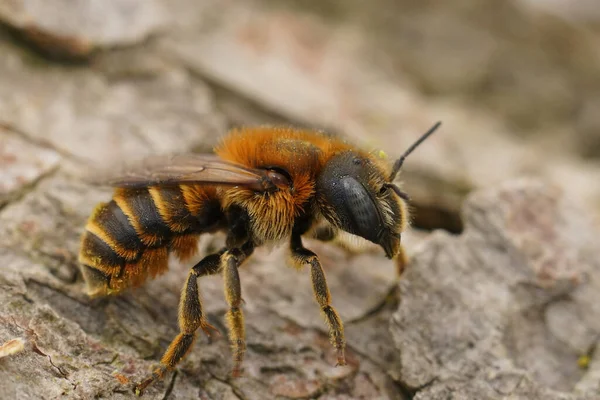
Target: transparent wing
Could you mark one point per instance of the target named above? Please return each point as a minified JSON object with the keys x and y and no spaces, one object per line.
{"x":186,"y":168}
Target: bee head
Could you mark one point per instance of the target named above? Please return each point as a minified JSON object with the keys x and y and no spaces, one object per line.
{"x":356,"y":195}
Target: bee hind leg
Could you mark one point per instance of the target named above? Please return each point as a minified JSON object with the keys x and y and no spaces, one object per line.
{"x":191,"y":317}
{"x":301,"y":256}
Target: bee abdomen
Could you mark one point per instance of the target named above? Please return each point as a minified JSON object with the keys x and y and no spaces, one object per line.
{"x":173,"y":208}
{"x":188,"y":210}
{"x":100,"y":263}
{"x":128,"y":239}
{"x":109,"y":247}
{"x":111,"y":225}
{"x":144,"y":216}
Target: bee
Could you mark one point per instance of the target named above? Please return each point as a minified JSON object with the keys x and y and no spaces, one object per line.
{"x":261,"y":186}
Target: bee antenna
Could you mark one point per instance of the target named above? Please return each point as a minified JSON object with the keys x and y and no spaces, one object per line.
{"x":397,"y":190}
{"x":400,"y":161}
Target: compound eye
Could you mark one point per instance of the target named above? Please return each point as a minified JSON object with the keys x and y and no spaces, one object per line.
{"x":354,"y":208}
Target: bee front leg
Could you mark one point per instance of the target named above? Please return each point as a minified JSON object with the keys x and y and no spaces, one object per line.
{"x":191,"y":317}
{"x":301,"y":256}
{"x":401,"y":261}
{"x":327,"y":234}
{"x":232,"y":259}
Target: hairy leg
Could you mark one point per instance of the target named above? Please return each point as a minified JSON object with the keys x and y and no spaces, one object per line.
{"x":301,"y":256}
{"x":231,"y":261}
{"x":191,"y":317}
{"x":401,"y":261}
{"x":328,"y":234}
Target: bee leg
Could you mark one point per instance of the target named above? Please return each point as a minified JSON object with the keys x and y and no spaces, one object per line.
{"x":191,"y":317}
{"x":301,"y":256}
{"x":232,"y":259}
{"x":401,"y":261}
{"x":327,"y":234}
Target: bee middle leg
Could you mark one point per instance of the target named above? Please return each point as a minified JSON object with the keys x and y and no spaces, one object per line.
{"x":231,"y":261}
{"x":191,"y":317}
{"x":301,"y":256}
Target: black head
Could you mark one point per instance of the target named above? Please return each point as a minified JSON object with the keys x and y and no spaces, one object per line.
{"x":356,"y":195}
{"x":353,"y":196}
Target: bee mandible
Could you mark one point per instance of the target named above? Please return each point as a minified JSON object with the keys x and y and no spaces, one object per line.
{"x":261,"y":186}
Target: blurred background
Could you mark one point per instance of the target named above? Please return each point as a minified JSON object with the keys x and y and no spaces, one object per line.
{"x":516,"y":83}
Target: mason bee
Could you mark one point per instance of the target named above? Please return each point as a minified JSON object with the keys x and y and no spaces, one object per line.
{"x":262,"y":186}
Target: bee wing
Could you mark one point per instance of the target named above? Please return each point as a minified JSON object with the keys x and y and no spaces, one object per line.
{"x":187,"y":168}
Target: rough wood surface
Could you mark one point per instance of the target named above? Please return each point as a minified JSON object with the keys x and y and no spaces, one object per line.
{"x":506,"y":309}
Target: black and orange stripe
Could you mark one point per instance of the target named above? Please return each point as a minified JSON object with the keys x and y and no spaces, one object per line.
{"x":128,"y":239}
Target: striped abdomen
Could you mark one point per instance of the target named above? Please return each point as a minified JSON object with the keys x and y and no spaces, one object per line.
{"x":129,"y":238}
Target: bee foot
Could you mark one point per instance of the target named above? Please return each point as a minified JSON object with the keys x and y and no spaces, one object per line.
{"x":156,"y":375}
{"x":341,"y":358}
{"x":236,"y":372}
